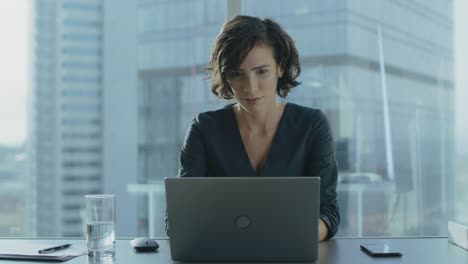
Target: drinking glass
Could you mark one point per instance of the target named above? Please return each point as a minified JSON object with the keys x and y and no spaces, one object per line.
{"x":100,"y":225}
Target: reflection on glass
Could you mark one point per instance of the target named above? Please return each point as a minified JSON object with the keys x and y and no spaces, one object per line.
{"x":174,"y":48}
{"x":392,"y":114}
{"x":342,"y":74}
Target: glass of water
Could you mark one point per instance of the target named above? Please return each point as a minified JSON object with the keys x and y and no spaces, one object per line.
{"x":100,"y":225}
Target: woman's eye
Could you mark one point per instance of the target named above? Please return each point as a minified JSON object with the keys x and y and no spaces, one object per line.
{"x":262,"y":71}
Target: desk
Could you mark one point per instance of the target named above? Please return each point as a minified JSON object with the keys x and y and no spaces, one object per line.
{"x":340,"y":250}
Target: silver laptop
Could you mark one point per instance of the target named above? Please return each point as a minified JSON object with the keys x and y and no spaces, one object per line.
{"x":239,"y":219}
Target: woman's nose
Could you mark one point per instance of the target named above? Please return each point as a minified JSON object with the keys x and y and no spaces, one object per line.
{"x":250,"y":84}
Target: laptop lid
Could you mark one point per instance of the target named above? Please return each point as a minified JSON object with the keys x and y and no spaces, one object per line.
{"x":236,"y":219}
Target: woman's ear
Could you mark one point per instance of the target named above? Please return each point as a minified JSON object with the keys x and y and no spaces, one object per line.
{"x":280,"y":72}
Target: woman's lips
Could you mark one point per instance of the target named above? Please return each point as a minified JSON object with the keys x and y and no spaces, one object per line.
{"x":252,"y":101}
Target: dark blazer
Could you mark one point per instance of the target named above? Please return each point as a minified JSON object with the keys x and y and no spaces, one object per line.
{"x":302,"y":146}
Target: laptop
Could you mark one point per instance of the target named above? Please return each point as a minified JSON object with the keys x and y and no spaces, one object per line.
{"x":240,"y":219}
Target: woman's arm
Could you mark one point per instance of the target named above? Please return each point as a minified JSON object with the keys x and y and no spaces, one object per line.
{"x":192,"y":154}
{"x":321,"y":162}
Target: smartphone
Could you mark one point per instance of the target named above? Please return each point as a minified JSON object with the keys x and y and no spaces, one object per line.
{"x":380,"y":250}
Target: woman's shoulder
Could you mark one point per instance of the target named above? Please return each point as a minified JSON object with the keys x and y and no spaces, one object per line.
{"x":214,"y":117}
{"x":310,"y":121}
{"x":300,"y":113}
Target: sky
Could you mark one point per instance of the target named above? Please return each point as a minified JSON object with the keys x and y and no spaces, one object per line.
{"x":15,"y":17}
{"x":14,"y":68}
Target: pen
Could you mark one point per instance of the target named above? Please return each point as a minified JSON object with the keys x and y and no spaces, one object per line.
{"x":53,"y":249}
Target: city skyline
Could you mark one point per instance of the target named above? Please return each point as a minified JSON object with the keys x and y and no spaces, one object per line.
{"x":80,"y":76}
{"x":14,"y":98}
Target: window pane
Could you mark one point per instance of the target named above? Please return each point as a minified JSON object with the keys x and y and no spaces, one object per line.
{"x":102,"y":104}
{"x":174,"y":42}
{"x":383,"y":72}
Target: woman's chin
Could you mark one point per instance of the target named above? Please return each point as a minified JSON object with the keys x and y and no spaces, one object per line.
{"x":251,"y":108}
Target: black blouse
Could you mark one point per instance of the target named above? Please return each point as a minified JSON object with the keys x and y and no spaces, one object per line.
{"x":302,"y":146}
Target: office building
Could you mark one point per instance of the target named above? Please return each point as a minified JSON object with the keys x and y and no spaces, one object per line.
{"x":14,"y":192}
{"x":383,"y":74}
{"x":71,"y":140}
{"x":114,"y":97}
{"x":42,"y":118}
{"x":173,"y":47}
{"x":380,"y":70}
{"x":67,"y":122}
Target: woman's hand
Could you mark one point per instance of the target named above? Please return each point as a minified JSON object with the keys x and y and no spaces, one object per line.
{"x":323,"y":230}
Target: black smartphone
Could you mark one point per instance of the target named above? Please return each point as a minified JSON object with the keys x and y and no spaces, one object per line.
{"x":380,"y":250}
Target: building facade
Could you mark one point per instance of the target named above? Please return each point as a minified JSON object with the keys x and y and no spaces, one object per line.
{"x":373,"y":67}
{"x":14,"y":194}
{"x":67,"y":113}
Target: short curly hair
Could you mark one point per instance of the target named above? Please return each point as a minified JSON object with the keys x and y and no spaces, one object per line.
{"x":237,"y":38}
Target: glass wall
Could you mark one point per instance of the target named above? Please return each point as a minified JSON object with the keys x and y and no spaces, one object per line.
{"x":382,"y":71}
{"x":388,"y":74}
{"x":174,"y":39}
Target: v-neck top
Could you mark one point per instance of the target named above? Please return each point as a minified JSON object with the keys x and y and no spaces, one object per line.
{"x":302,"y":146}
{"x":276,"y":135}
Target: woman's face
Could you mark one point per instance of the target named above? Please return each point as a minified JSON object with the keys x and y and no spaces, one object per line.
{"x":254,"y":83}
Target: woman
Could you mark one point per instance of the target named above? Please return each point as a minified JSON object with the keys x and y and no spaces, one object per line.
{"x":252,"y":61}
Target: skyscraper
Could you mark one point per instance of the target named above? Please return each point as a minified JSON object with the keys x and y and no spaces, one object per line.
{"x":43,"y":118}
{"x":67,"y":121}
{"x":82,"y":112}
{"x":114,"y":97}
{"x":174,"y":41}
{"x":370,"y":66}
{"x":14,"y":192}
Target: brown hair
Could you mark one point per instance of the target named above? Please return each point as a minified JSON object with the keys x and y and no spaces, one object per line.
{"x":237,"y":38}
